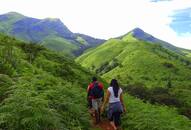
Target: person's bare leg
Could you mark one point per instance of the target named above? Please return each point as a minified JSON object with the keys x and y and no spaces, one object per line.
{"x":113,"y":125}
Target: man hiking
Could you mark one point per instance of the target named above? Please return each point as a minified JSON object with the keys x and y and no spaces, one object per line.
{"x":95,"y":97}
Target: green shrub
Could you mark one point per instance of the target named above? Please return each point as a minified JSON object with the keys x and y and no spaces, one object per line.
{"x":42,"y":91}
{"x":137,"y":90}
{"x":44,"y":103}
{"x":144,"y":116}
{"x":5,"y":84}
{"x":32,"y":50}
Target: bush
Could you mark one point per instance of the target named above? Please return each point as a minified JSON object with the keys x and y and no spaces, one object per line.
{"x":144,"y":116}
{"x":165,"y":99}
{"x":5,"y":84}
{"x":6,"y":68}
{"x":107,"y":66}
{"x":162,"y":96}
{"x":168,"y":65}
{"x":138,"y":91}
{"x":31,"y":50}
{"x":44,"y":103}
{"x":8,"y":60}
{"x":155,"y":95}
{"x":186,"y":111}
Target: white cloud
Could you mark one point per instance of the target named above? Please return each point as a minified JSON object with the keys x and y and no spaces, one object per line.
{"x":107,"y":18}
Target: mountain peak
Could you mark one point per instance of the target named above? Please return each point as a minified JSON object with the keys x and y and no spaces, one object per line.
{"x":142,"y":35}
{"x":137,"y":31}
{"x":13,"y":14}
{"x":53,"y":19}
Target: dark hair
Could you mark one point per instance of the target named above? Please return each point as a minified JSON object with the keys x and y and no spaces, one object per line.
{"x":115,"y":86}
{"x":94,"y":79}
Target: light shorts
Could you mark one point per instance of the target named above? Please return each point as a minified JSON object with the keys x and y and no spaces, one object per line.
{"x":96,"y":103}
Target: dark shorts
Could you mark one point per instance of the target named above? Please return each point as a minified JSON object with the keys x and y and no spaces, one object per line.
{"x":116,"y":118}
{"x":114,"y":112}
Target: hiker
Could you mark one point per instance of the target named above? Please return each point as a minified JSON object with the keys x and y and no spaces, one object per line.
{"x":95,"y":97}
{"x":116,"y":106}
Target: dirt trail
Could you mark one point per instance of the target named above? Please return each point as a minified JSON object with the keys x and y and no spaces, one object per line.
{"x":103,"y":125}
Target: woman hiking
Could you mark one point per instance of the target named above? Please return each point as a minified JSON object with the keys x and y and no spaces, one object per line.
{"x":116,"y":106}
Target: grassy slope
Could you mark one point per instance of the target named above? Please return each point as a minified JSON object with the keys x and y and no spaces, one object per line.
{"x":59,"y":44}
{"x":142,"y":63}
{"x":144,"y":116}
{"x":137,"y":62}
{"x":6,"y":25}
{"x":47,"y":94}
{"x":82,"y":41}
{"x":51,"y":41}
{"x":41,"y":32}
{"x":40,"y":89}
{"x":188,"y":53}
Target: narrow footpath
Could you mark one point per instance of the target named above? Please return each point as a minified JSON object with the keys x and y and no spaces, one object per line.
{"x":103,"y":125}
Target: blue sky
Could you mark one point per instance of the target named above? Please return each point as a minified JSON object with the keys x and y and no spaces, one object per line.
{"x":168,"y":20}
{"x":181,"y":22}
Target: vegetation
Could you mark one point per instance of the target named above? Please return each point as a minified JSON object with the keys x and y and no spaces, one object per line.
{"x":163,"y":96}
{"x":40,"y":89}
{"x":187,"y":53}
{"x":50,"y":32}
{"x":138,"y":62}
{"x":151,"y":73}
{"x":59,"y":44}
{"x":144,"y":116}
{"x":44,"y":90}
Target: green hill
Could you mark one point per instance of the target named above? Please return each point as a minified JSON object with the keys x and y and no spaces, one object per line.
{"x":146,"y":70}
{"x":44,"y":90}
{"x":48,"y":31}
{"x":133,"y":61}
{"x":187,"y":53}
{"x":59,"y":44}
{"x":144,"y":36}
{"x":40,"y":89}
{"x":8,"y":20}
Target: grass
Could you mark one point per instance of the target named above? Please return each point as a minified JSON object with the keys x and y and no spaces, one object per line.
{"x":81,"y":40}
{"x":40,"y":89}
{"x":59,"y":44}
{"x":144,"y":116}
{"x":188,"y":53}
{"x":11,"y":18}
{"x":51,"y":32}
{"x":137,"y":62}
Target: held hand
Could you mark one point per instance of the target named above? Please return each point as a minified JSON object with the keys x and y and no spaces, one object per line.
{"x":102,"y":109}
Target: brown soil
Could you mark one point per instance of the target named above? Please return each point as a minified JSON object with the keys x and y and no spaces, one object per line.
{"x":103,"y":125}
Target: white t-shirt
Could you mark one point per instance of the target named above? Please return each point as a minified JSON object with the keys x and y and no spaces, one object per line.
{"x":112,"y":97}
